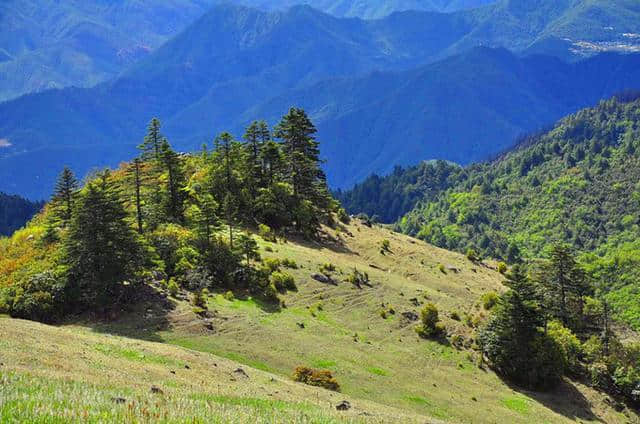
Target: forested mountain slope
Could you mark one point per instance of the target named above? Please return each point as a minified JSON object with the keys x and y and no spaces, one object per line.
{"x":575,"y":184}
{"x":52,"y":44}
{"x":15,"y":212}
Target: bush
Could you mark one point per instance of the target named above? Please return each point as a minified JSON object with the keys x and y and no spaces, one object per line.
{"x":327,"y":268}
{"x":358,"y":278}
{"x":266,"y":233}
{"x":40,"y":298}
{"x":229,"y":296}
{"x":283,"y":282}
{"x":502,"y":267}
{"x":489,"y":300}
{"x":343,"y":216}
{"x":272,"y":264}
{"x":318,"y":378}
{"x":289,"y":263}
{"x":455,"y":316}
{"x":385,"y":246}
{"x":173,"y":287}
{"x":442,"y":268}
{"x":570,"y":347}
{"x":430,"y":327}
{"x":200,"y":298}
{"x":472,"y":255}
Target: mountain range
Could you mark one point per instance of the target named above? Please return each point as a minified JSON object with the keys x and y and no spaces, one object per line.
{"x":397,"y":90}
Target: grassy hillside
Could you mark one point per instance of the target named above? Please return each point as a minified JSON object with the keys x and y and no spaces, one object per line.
{"x":64,"y":375}
{"x":383,"y":367}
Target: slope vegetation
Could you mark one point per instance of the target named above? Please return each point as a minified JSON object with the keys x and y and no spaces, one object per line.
{"x":383,"y":367}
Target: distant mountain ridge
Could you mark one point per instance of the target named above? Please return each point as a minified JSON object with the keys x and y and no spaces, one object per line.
{"x":236,"y":64}
{"x":15,"y":212}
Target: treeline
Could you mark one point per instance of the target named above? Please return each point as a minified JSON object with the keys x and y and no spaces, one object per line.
{"x":553,"y":323}
{"x":177,"y":218}
{"x":386,"y":199}
{"x":15,"y":212}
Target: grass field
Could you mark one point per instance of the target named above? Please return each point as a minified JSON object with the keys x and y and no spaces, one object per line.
{"x":385,"y":370}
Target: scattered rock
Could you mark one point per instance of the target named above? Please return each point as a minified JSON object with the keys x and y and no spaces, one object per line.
{"x":343,"y":406}
{"x":172,"y":372}
{"x":453,"y":269}
{"x":300,"y":324}
{"x":118,"y":400}
{"x":156,"y":390}
{"x":321,"y":278}
{"x":634,"y":394}
{"x":187,"y":367}
{"x":240,"y":371}
{"x":30,"y":237}
{"x":414,"y":301}
{"x":208,"y":324}
{"x":410,"y":316}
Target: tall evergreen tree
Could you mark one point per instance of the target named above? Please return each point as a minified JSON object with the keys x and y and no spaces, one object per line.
{"x":64,"y":195}
{"x":152,"y":141}
{"x":101,"y":250}
{"x":302,"y":154}
{"x":175,"y":182}
{"x":256,"y":135}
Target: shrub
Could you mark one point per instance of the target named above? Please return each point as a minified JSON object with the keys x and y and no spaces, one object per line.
{"x":569,"y":345}
{"x":455,"y":316}
{"x":318,"y":378}
{"x":229,"y":296}
{"x":385,"y":246}
{"x":442,"y":268}
{"x":489,"y":300}
{"x":358,"y":278}
{"x":266,"y":233}
{"x":327,"y":268}
{"x":283,"y":281}
{"x":502,"y":267}
{"x":430,"y":327}
{"x":343,"y":216}
{"x":272,"y":264}
{"x":289,"y":263}
{"x":472,"y":255}
{"x":173,"y":287}
{"x":39,"y":297}
{"x":200,"y":298}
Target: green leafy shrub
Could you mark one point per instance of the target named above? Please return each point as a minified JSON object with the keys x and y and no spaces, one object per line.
{"x":266,"y":233}
{"x":289,"y":263}
{"x":489,"y":300}
{"x":229,"y":296}
{"x":327,"y":268}
{"x":442,"y":268}
{"x":358,"y":278}
{"x":199,"y":298}
{"x":472,"y":255}
{"x":272,"y":264}
{"x":385,"y":246}
{"x":431,"y":326}
{"x":173,"y":287}
{"x":502,"y":267}
{"x":318,"y":378}
{"x":570,"y":347}
{"x":343,"y":216}
{"x":283,"y":282}
{"x":39,"y":298}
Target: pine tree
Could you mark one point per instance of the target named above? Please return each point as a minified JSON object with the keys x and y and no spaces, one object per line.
{"x":175,"y":182}
{"x":152,"y":141}
{"x":101,"y":250}
{"x":256,"y":135}
{"x":302,"y":157}
{"x":136,"y":172}
{"x":63,"y":198}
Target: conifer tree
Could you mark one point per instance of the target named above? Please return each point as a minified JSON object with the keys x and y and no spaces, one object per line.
{"x":175,"y":182}
{"x":101,"y":249}
{"x":152,"y":141}
{"x":256,"y":135}
{"x":64,"y":195}
{"x":137,"y":181}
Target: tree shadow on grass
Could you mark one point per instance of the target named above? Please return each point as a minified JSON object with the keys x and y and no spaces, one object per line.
{"x":565,"y":400}
{"x":143,"y":318}
{"x":322,"y":241}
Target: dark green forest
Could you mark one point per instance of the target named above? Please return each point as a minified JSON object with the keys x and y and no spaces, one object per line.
{"x":15,"y":212}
